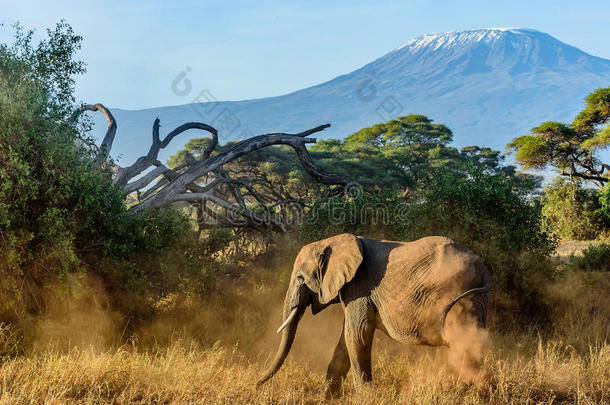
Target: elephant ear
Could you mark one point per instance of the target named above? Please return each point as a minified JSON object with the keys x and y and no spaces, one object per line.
{"x":342,"y":256}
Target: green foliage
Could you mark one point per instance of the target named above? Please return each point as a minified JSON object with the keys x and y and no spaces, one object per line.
{"x":51,"y":65}
{"x":404,"y":153}
{"x":485,"y":208}
{"x":373,"y":214}
{"x":604,"y":202}
{"x":403,"y":131}
{"x":574,"y":212}
{"x":399,"y":152}
{"x":596,"y":112}
{"x":38,"y":153}
{"x":486,"y":212}
{"x":572,"y":149}
{"x":58,"y":212}
{"x":215,"y":241}
{"x":536,"y":151}
{"x":593,"y":258}
{"x":192,"y":151}
{"x":394,"y":158}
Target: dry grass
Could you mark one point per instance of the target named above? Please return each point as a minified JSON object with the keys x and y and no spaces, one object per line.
{"x":551,"y":373}
{"x":574,"y":247}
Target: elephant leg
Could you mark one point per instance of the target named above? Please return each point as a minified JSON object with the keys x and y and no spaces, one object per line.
{"x":338,"y":367}
{"x":359,"y":331}
{"x":468,"y":345}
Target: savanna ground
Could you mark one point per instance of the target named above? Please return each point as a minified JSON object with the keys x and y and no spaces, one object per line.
{"x":213,"y":352}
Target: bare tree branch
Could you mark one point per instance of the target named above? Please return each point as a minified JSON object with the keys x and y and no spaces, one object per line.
{"x":106,"y":144}
{"x":599,"y":181}
{"x":150,"y":159}
{"x":146,"y":179}
{"x":230,"y":201}
{"x":207,"y":165}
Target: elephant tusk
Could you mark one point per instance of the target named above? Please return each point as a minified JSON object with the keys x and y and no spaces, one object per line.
{"x":288,"y":320}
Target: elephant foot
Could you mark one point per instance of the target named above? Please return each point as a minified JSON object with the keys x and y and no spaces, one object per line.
{"x":333,"y":393}
{"x":334,"y":388}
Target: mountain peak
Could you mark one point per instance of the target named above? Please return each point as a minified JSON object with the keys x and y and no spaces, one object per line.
{"x":460,"y":38}
{"x":503,"y":51}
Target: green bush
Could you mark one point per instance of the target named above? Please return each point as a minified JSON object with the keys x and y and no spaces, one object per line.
{"x":365,"y":213}
{"x":604,"y":202}
{"x":59,"y":213}
{"x":593,"y":258}
{"x":482,"y":207}
{"x":574,"y":212}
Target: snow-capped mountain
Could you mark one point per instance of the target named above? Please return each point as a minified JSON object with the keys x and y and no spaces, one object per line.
{"x":487,"y":85}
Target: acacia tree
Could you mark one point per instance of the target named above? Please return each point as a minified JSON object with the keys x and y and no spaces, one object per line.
{"x":572,"y":149}
{"x":202,"y":179}
{"x":406,"y":154}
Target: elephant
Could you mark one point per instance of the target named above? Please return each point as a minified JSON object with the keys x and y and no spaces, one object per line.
{"x":404,"y":289}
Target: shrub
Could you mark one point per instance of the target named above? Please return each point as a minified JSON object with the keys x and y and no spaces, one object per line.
{"x":61,"y":214}
{"x":593,"y":258}
{"x":604,"y":202}
{"x":573,"y":211}
{"x":363,"y":213}
{"x":482,"y":207}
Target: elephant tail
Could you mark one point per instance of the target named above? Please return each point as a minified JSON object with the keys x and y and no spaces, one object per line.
{"x":478,"y":290}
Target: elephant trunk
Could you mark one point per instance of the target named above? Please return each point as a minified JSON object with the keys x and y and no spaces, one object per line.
{"x":292,"y":316}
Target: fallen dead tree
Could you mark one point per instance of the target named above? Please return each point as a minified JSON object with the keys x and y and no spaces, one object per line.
{"x":220,"y":199}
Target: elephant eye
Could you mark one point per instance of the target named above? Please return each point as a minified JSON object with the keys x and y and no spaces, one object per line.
{"x":300,"y":278}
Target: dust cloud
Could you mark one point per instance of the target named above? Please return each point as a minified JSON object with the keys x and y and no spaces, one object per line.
{"x":78,"y":314}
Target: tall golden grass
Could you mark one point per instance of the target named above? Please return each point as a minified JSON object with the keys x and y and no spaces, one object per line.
{"x":530,"y":372}
{"x":212,"y":352}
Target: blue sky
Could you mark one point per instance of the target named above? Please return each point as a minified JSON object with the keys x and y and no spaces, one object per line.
{"x":249,"y":49}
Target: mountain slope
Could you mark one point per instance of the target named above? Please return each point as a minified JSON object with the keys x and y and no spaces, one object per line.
{"x":487,"y":85}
